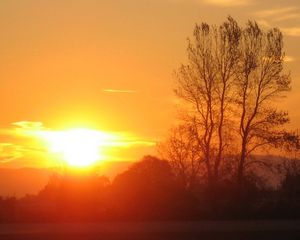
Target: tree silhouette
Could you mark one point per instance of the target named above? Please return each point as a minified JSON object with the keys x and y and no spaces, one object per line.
{"x":206,"y":85}
{"x":147,"y":190}
{"x":184,"y":155}
{"x":229,"y":86}
{"x":259,"y":82}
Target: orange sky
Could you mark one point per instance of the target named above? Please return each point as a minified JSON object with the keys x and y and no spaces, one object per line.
{"x":108,"y":64}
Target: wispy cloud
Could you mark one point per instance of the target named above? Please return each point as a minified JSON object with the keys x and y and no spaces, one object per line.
{"x":264,"y":23}
{"x":291,"y":31}
{"x":18,"y":142}
{"x":29,"y":125}
{"x":279,"y":17}
{"x":287,"y":17}
{"x":10,"y":152}
{"x":119,"y":90}
{"x":229,"y":3}
{"x":289,"y":59}
{"x":284,"y":12}
{"x":137,"y":142}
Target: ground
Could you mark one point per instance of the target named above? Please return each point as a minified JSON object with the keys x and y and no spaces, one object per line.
{"x":209,"y":230}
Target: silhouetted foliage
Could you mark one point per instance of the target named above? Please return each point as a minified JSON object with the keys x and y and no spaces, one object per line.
{"x":148,"y":189}
{"x":8,"y":209}
{"x":184,"y":155}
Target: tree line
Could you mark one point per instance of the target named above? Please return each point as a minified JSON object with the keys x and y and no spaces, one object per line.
{"x":150,"y":190}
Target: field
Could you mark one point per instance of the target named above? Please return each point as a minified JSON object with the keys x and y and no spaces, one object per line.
{"x":209,"y":230}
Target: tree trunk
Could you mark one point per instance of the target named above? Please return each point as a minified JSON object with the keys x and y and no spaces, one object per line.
{"x":240,"y":171}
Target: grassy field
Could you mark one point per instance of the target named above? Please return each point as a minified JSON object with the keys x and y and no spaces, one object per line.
{"x":206,"y":230}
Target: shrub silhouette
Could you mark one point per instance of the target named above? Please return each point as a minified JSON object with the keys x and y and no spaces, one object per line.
{"x":148,"y":190}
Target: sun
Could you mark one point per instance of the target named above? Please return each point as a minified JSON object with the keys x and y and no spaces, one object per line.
{"x":78,"y":147}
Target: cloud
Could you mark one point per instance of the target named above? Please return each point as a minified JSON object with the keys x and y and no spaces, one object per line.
{"x":138,"y":142}
{"x":280,"y":16}
{"x":20,"y":142}
{"x":291,"y":31}
{"x":28,"y":125}
{"x":10,"y":152}
{"x":264,"y":23}
{"x":119,"y":91}
{"x":287,"y":17}
{"x":289,"y":59}
{"x":285,"y":12}
{"x":288,"y":31}
{"x":229,"y":3}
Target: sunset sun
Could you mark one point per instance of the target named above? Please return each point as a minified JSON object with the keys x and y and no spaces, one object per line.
{"x":78,"y":147}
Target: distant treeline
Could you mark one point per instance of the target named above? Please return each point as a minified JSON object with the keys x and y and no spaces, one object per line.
{"x":149,"y":190}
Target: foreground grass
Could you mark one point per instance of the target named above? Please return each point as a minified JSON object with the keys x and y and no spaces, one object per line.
{"x":209,"y":230}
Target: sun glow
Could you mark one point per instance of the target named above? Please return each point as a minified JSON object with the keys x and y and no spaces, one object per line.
{"x":79,"y":147}
{"x":82,"y":147}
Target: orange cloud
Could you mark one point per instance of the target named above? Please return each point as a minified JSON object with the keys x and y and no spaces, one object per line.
{"x":119,"y":91}
{"x":229,"y":3}
{"x":271,"y":17}
{"x":289,"y":59}
{"x":10,"y":152}
{"x":29,"y":125}
{"x":279,"y":14}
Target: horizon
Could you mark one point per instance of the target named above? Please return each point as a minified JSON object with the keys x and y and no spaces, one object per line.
{"x":14,"y":185}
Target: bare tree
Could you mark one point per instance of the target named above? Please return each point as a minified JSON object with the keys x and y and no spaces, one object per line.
{"x":229,"y":87}
{"x":227,"y":55}
{"x":196,"y":83}
{"x":206,"y":84}
{"x":260,"y":81}
{"x":184,"y":155}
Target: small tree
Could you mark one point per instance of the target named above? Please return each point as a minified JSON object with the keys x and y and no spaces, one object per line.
{"x":185,"y":157}
{"x":147,"y":190}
